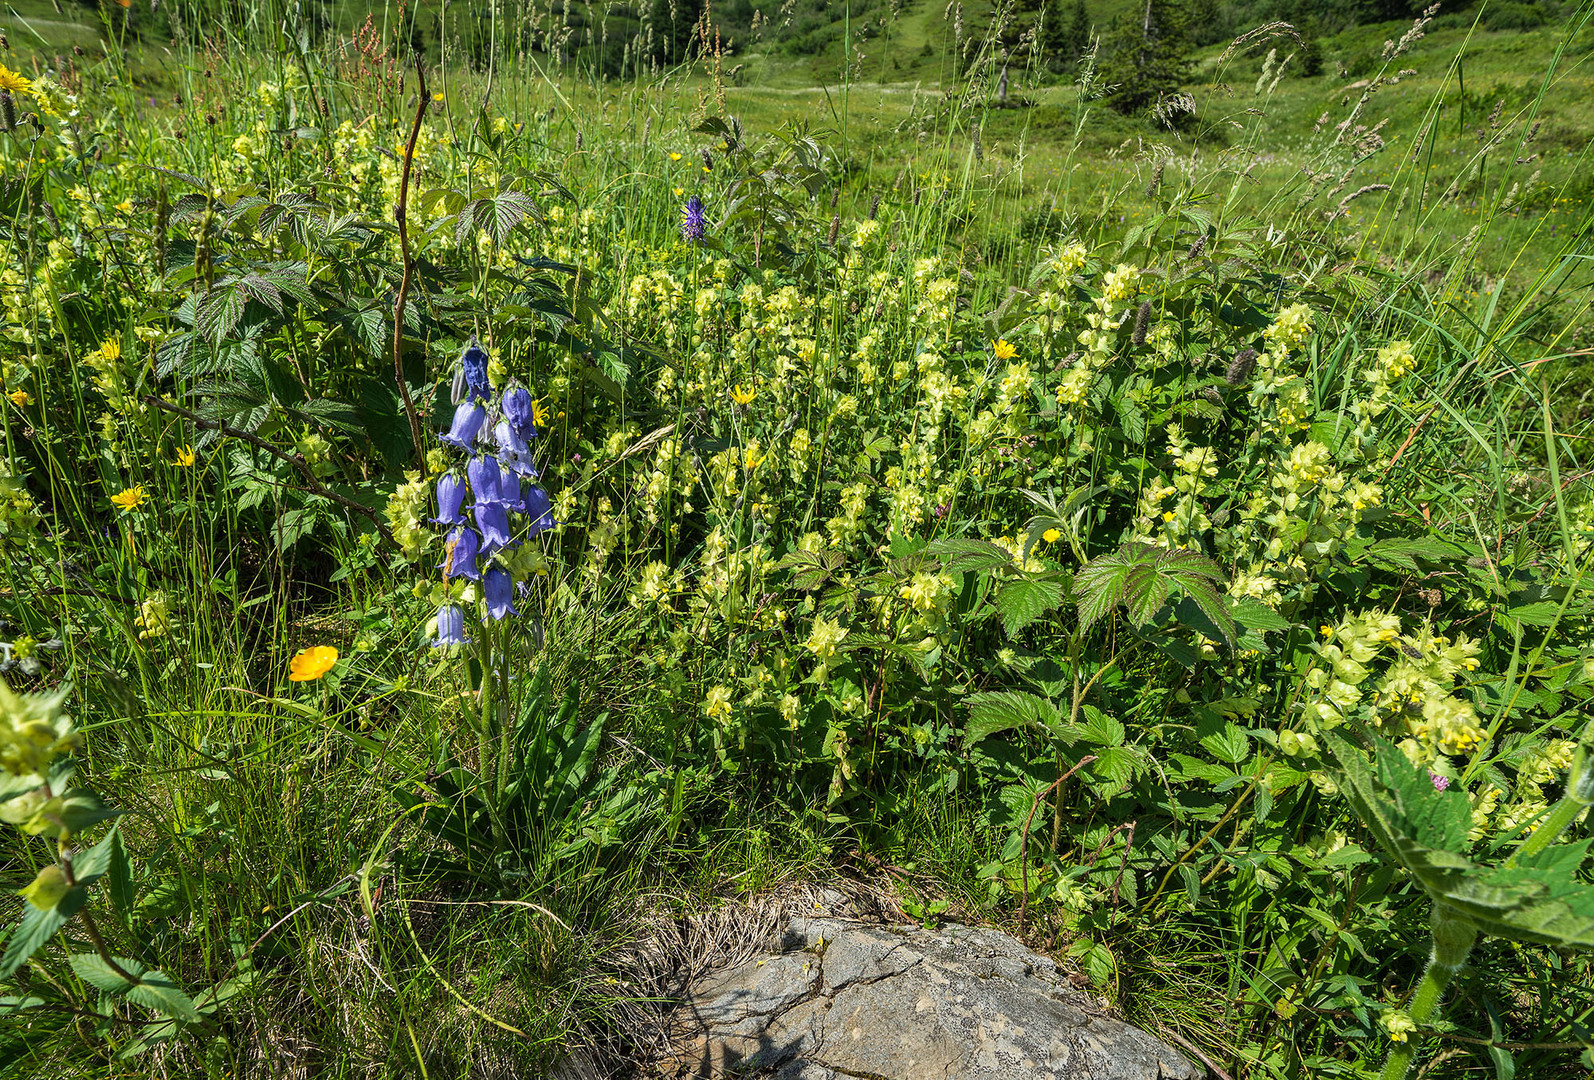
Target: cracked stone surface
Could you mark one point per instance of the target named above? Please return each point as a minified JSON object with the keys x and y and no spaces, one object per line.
{"x":835,"y":999}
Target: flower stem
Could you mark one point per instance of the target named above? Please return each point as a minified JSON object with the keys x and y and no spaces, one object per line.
{"x":1453,"y":938}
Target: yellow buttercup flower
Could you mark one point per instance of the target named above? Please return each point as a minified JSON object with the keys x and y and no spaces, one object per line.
{"x":130,"y":498}
{"x":437,"y":96}
{"x":742,"y":395}
{"x":125,"y":206}
{"x":20,"y":398}
{"x":312,"y":663}
{"x":185,"y":456}
{"x":674,"y":156}
{"x":1050,"y":536}
{"x":1004,"y":349}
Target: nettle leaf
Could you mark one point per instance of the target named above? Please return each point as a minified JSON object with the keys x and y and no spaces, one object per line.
{"x":1536,"y":898}
{"x":1005,"y":710}
{"x":1022,"y":602}
{"x":960,"y":556}
{"x":812,"y":569}
{"x":1143,"y":578}
{"x":220,"y":310}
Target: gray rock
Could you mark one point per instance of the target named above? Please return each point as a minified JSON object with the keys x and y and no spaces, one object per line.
{"x":845,"y":999}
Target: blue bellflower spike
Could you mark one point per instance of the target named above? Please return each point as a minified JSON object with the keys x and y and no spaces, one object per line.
{"x":463,"y":546}
{"x":450,"y":497}
{"x":500,"y":589}
{"x":450,"y":626}
{"x":473,"y":361}
{"x":468,"y":421}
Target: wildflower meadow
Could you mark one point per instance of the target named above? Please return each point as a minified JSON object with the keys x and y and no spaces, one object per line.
{"x":479,"y":477}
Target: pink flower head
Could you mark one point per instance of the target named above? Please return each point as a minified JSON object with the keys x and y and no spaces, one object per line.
{"x":1440,"y":783}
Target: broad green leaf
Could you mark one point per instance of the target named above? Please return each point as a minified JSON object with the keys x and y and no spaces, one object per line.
{"x":92,"y":969}
{"x":1004,"y":710}
{"x":959,"y":556}
{"x":156,"y":991}
{"x":1100,"y":729}
{"x":1022,"y":602}
{"x":37,"y":927}
{"x":1230,"y":744}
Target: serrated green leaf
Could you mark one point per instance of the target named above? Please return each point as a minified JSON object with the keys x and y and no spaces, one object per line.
{"x":1229,"y":744}
{"x":37,"y":927}
{"x":1022,"y":602}
{"x":960,"y":556}
{"x":92,"y":969}
{"x":1100,"y":729}
{"x":1005,"y":710}
{"x":156,"y":991}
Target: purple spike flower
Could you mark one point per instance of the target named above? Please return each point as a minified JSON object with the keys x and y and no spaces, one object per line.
{"x":468,"y":421}
{"x":464,"y":545}
{"x":450,"y":626}
{"x":483,"y":474}
{"x":693,"y":225}
{"x":494,"y":524}
{"x":450,"y":496}
{"x":500,"y":589}
{"x":473,"y":361}
{"x":518,"y":411}
{"x":538,"y":509}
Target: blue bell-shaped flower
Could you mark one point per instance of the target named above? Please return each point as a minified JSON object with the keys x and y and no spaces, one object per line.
{"x":450,"y":497}
{"x":473,"y":362}
{"x":450,"y":626}
{"x":483,"y":473}
{"x":538,"y":509}
{"x":463,"y":547}
{"x":513,"y":450}
{"x":493,"y":521}
{"x":468,"y":420}
{"x":500,"y":590}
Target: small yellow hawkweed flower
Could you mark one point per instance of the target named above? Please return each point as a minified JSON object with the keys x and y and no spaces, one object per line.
{"x":437,"y":95}
{"x":1004,"y":349}
{"x":125,"y":206}
{"x":1051,"y":536}
{"x":20,"y":398}
{"x":130,"y":498}
{"x":312,"y":663}
{"x":743,"y":395}
{"x":185,"y":456}
{"x":674,"y":156}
